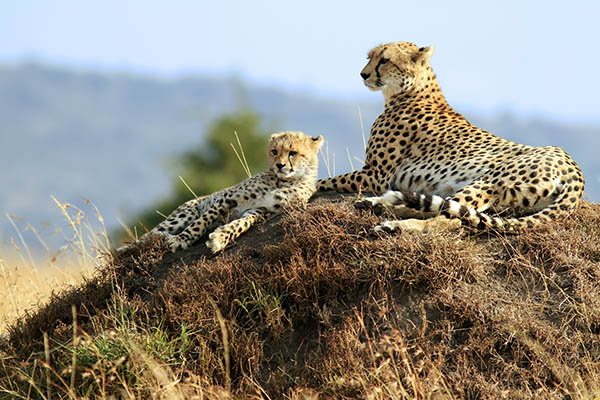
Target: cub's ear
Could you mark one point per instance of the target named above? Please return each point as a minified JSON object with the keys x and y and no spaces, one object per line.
{"x":422,"y":55}
{"x":317,"y":141}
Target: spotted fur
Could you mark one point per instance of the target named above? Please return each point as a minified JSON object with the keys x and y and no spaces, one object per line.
{"x":439,"y":162}
{"x":290,"y":179}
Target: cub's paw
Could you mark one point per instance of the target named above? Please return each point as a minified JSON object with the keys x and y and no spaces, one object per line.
{"x":217,"y":240}
{"x":370,"y":203}
{"x":175,"y":243}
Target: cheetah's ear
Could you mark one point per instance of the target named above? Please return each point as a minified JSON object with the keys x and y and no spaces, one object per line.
{"x":422,"y":55}
{"x":317,"y":141}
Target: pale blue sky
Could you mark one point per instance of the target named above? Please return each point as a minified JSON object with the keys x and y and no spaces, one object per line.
{"x":533,"y":57}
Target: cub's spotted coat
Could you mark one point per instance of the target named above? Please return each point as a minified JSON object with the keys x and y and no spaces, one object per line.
{"x":290,"y":179}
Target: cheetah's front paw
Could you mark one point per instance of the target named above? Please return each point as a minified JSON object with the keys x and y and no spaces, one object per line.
{"x":174,"y":242}
{"x":217,"y":240}
{"x":388,"y":226}
{"x":404,"y":225}
{"x":370,"y":203}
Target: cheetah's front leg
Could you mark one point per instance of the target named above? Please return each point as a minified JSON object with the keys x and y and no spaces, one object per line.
{"x":227,"y":233}
{"x":439,"y":223}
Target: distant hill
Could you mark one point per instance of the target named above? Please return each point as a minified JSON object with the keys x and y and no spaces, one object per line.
{"x":108,"y":137}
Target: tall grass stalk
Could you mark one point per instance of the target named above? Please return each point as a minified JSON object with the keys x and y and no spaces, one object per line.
{"x":241,"y":158}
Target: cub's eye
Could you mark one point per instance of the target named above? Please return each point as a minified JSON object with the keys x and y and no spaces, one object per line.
{"x":293,"y":153}
{"x":274,"y":152}
{"x":384,"y":60}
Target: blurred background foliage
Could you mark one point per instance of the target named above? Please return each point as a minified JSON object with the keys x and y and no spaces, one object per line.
{"x":211,"y":165}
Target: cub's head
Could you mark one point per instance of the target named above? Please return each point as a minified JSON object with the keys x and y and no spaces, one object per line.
{"x":395,"y":67}
{"x":293,"y":154}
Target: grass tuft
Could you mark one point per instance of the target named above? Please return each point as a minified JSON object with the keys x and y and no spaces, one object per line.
{"x":313,"y":304}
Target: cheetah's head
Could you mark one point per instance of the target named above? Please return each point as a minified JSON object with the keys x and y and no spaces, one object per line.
{"x":293,"y":154}
{"x":395,"y":67}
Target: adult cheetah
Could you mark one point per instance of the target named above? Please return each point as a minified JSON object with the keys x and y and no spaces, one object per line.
{"x":423,"y":155}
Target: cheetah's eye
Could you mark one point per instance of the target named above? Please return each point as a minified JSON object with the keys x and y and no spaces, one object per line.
{"x":293,"y":153}
{"x":274,"y":152}
{"x":383,"y":60}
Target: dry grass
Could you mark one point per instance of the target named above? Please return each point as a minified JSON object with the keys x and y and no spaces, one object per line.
{"x":313,"y":305}
{"x":28,"y":281}
{"x":25,"y":287}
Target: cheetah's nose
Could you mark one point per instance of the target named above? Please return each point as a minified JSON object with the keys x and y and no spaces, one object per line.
{"x":365,"y":75}
{"x":279,"y":166}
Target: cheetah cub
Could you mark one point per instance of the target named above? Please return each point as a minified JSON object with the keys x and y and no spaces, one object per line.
{"x":290,"y":179}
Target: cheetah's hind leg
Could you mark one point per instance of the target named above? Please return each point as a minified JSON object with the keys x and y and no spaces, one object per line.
{"x":198,"y":228}
{"x":412,"y":217}
{"x":227,"y":233}
{"x":180,"y":218}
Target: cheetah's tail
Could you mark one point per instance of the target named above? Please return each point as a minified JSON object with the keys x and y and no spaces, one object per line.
{"x":479,"y":220}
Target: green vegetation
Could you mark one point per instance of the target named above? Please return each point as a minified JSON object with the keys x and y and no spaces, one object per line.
{"x":213,"y":165}
{"x":313,"y":304}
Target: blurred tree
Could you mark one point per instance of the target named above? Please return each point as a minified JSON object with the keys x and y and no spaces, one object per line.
{"x":211,"y":166}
